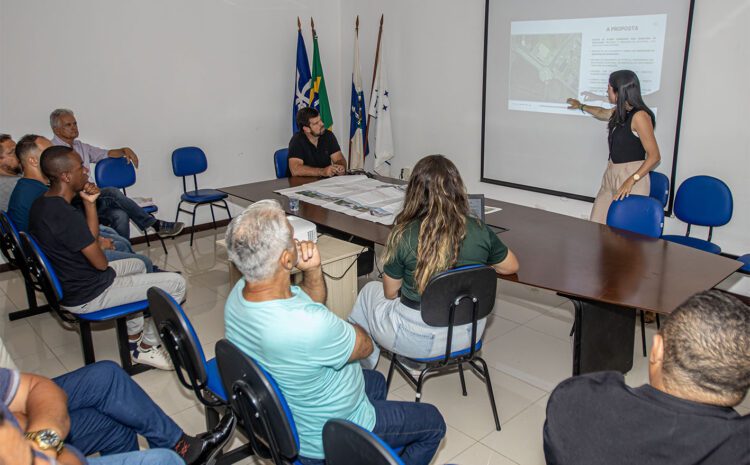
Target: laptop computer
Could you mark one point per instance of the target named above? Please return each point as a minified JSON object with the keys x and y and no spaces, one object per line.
{"x":477,"y":209}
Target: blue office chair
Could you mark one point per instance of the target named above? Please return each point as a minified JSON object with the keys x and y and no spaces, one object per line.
{"x":193,"y":370}
{"x":642,"y":215}
{"x":659,"y":187}
{"x":705,"y":201}
{"x":120,"y":174}
{"x":345,"y":443}
{"x":189,"y":161}
{"x":455,"y":297}
{"x":44,"y":277}
{"x":746,"y":260}
{"x":259,"y":405}
{"x":10,"y":244}
{"x":637,"y":213}
{"x":281,"y":163}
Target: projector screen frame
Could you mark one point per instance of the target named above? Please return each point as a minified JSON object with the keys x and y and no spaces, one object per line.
{"x":542,"y":190}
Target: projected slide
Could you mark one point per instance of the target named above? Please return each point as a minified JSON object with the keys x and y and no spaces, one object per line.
{"x":555,"y":59}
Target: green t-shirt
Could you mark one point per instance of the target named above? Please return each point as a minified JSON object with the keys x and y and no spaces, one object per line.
{"x":481,"y":246}
{"x":306,"y":348}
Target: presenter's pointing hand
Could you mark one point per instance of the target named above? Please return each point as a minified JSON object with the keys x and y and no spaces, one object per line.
{"x":573,"y":104}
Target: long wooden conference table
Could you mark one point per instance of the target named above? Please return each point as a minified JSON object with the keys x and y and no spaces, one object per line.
{"x":606,"y":272}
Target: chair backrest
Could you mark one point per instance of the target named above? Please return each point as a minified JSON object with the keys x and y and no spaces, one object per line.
{"x":637,"y":213}
{"x":281,"y":162}
{"x":10,"y":242}
{"x":181,"y":342}
{"x":114,"y":172}
{"x":704,"y":200}
{"x":454,"y":293}
{"x":41,"y":272}
{"x":659,"y":187}
{"x":188,"y":161}
{"x":258,"y":403}
{"x":345,"y":443}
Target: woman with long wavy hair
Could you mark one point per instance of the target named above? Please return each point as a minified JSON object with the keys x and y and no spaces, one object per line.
{"x":433,"y":233}
{"x":633,"y":151}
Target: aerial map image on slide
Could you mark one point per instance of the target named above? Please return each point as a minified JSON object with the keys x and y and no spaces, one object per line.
{"x":544,"y":67}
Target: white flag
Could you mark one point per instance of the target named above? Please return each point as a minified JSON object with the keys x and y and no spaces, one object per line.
{"x":380,"y":110}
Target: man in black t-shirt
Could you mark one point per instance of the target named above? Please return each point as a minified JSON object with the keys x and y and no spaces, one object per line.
{"x":70,"y":242}
{"x":314,"y":150}
{"x":699,"y":369}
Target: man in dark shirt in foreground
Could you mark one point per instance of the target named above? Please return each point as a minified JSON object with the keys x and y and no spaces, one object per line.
{"x":699,"y":368}
{"x":314,"y":150}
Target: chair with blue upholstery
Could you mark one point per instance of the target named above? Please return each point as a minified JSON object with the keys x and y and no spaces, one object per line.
{"x":120,"y":174}
{"x":193,"y":370}
{"x":703,"y":201}
{"x":642,"y":215}
{"x":345,"y":443}
{"x":10,"y":244}
{"x":185,"y":350}
{"x":453,"y":298}
{"x":637,"y":213}
{"x":190,"y":161}
{"x":42,"y":274}
{"x":745,"y":259}
{"x":259,"y":405}
{"x":281,"y":163}
{"x":659,"y":187}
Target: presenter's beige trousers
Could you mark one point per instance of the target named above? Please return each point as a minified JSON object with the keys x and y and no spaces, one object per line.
{"x":614,"y":176}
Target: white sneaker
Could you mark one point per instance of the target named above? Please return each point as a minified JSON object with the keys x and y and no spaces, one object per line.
{"x":156,"y":357}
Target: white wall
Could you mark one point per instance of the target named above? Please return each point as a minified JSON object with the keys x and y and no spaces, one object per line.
{"x":157,"y":75}
{"x":435,"y":73}
{"x":218,"y":74}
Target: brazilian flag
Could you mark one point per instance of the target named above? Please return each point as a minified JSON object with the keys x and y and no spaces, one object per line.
{"x":318,"y":93}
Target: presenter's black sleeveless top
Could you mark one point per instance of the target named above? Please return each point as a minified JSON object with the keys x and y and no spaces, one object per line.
{"x":624,"y":146}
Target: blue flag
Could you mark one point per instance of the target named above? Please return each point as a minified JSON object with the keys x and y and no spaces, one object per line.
{"x":302,"y":81}
{"x":357,"y":147}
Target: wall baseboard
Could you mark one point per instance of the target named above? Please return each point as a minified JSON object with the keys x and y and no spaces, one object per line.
{"x":152,"y":237}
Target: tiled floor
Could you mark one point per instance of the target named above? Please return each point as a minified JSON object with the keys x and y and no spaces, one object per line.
{"x":526,"y":345}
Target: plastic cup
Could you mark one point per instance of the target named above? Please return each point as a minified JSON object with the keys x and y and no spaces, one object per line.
{"x":294,"y":204}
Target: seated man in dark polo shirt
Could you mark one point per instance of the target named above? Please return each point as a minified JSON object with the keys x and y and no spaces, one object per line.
{"x":699,"y":368}
{"x":314,"y":150}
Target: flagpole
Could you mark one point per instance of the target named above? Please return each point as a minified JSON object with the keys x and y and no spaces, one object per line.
{"x":372,"y":87}
{"x":312,"y":24}
{"x":356,"y":36}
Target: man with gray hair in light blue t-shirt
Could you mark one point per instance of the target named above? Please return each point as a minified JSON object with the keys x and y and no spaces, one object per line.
{"x":311,"y":353}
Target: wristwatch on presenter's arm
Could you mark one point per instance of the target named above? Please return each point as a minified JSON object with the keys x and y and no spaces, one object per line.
{"x":636,"y":177}
{"x":46,"y":439}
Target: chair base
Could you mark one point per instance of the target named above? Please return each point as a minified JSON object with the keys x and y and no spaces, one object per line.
{"x":225,"y":206}
{"x":32,"y":311}
{"x":482,"y":372}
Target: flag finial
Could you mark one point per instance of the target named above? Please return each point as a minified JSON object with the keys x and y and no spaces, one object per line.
{"x":299,"y":24}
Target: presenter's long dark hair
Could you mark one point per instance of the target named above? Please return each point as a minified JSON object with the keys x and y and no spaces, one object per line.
{"x":626,"y":85}
{"x":436,"y":196}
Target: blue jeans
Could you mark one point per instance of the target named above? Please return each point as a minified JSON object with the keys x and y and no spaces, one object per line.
{"x":121,"y":244}
{"x":118,"y":210}
{"x":418,"y":428}
{"x":108,"y":409}
{"x":123,"y":249}
{"x":142,"y":457}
